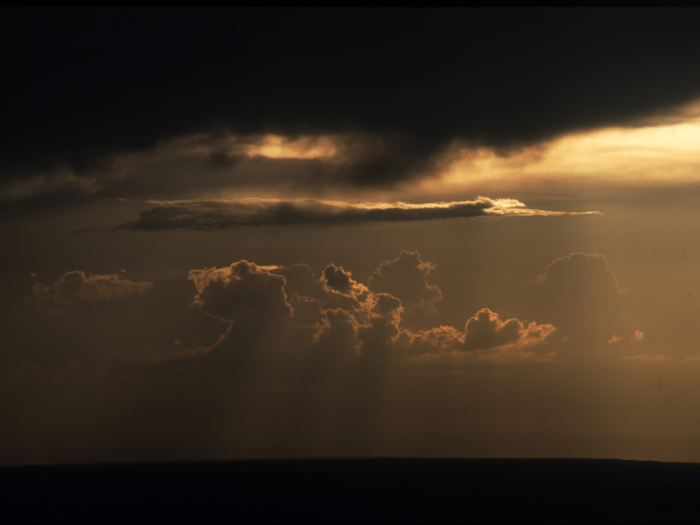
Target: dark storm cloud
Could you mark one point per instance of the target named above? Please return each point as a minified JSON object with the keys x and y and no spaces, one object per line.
{"x":80,"y":86}
{"x":217,"y":215}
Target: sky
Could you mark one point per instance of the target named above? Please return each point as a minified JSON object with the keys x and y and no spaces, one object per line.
{"x":235,"y":234}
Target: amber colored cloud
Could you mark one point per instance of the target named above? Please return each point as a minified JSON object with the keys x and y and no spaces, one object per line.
{"x":486,"y":330}
{"x":485,"y":334}
{"x":338,"y":280}
{"x":286,"y":314}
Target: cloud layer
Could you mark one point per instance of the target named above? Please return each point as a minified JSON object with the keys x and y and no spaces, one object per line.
{"x":217,"y":215}
{"x":415,"y":81}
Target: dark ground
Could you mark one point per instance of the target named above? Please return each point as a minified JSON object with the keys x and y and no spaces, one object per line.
{"x":356,"y":490}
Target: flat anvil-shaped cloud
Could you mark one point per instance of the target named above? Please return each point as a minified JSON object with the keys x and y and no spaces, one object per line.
{"x":217,"y":215}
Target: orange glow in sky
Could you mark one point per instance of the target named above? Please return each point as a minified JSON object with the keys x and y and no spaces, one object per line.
{"x":276,"y":147}
{"x":642,"y":155}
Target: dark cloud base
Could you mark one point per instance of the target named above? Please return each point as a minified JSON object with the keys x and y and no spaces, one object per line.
{"x":80,"y":86}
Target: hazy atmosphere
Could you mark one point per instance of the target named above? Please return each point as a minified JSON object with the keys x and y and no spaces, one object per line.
{"x":308,"y":233}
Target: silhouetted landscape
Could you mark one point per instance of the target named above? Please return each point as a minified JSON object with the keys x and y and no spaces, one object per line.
{"x":354,"y":490}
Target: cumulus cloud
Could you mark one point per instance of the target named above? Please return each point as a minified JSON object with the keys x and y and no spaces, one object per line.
{"x":219,"y":214}
{"x":442,"y":340}
{"x":252,"y":301}
{"x":580,"y":294}
{"x":336,"y":279}
{"x":575,"y":271}
{"x":486,"y":330}
{"x":637,"y":336}
{"x":486,"y":336}
{"x":341,"y":320}
{"x":382,"y":325}
{"x":279,"y":342}
{"x":307,"y":311}
{"x":240,"y":293}
{"x":267,"y":325}
{"x":301,"y":280}
{"x":338,"y":334}
{"x":75,"y":287}
{"x":406,"y":278}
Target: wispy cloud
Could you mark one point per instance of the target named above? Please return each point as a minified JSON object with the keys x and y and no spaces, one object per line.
{"x":217,"y":214}
{"x":75,"y":287}
{"x":653,"y":357}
